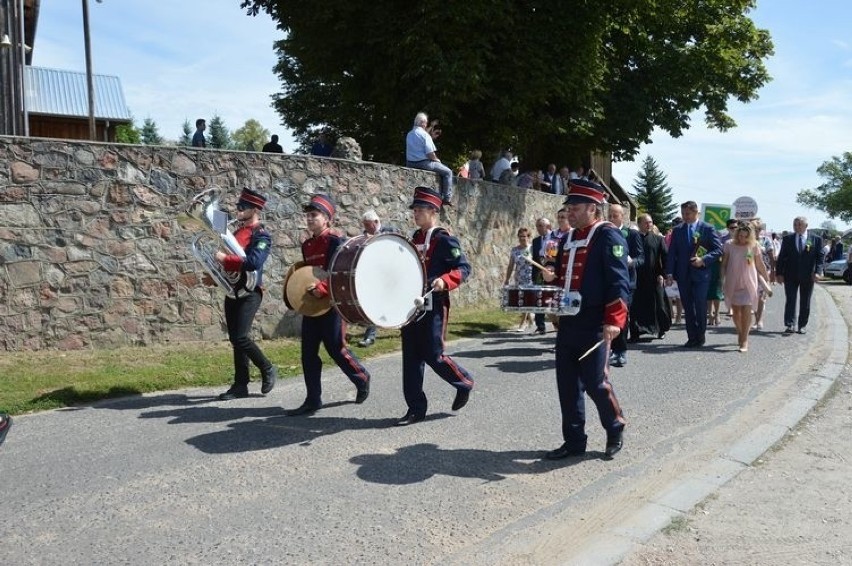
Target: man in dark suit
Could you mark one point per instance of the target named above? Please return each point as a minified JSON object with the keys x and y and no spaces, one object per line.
{"x":799,"y":265}
{"x":694,"y":247}
{"x":542,"y":226}
{"x":635,"y":260}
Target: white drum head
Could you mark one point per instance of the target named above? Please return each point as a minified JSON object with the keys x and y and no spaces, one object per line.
{"x":388,"y":277}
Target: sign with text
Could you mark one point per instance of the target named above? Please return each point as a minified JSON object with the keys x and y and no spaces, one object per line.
{"x":745,"y":208}
{"x":717,"y":215}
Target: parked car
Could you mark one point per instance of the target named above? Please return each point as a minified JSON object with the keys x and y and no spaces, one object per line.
{"x":835,"y":269}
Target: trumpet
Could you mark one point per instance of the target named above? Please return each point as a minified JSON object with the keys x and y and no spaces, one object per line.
{"x":204,"y":208}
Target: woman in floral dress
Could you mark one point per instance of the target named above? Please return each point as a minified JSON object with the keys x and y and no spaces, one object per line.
{"x":522,"y":270}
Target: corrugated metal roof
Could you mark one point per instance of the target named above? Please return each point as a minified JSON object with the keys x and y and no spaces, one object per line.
{"x":64,"y":93}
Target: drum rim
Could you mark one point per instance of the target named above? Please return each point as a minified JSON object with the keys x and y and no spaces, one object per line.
{"x":364,"y":241}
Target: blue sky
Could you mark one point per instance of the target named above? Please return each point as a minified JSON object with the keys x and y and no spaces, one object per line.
{"x":188,"y":59}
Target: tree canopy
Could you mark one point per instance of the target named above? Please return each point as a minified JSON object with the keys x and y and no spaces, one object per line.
{"x":654,"y":195}
{"x":186,"y":134}
{"x":834,"y":197}
{"x":550,"y":79}
{"x":220,"y":136}
{"x":128,"y":133}
{"x":251,"y":136}
{"x":149,"y":133}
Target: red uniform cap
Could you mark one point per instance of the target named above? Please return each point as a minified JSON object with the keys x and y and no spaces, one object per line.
{"x":424,"y":196}
{"x":581,"y":191}
{"x":323,"y":203}
{"x":252,"y":198}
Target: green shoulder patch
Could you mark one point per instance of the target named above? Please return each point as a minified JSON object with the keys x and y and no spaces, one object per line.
{"x":456,"y":253}
{"x":618,"y":251}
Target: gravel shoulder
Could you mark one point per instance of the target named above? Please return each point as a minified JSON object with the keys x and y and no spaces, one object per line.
{"x":792,"y":506}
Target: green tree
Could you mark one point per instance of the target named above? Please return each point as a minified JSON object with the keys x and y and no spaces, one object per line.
{"x":834,"y":196}
{"x":186,"y":135}
{"x":621,"y":69}
{"x":654,"y":195}
{"x":128,"y":133}
{"x":149,"y":133}
{"x":251,"y":136}
{"x":220,"y":137}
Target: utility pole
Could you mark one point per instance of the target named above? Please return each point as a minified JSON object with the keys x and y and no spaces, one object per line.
{"x":89,"y":77}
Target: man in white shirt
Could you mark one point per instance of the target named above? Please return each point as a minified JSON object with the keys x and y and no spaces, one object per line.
{"x":501,"y":165}
{"x":420,"y":153}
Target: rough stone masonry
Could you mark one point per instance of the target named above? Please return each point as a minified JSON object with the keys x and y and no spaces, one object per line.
{"x":93,"y":253}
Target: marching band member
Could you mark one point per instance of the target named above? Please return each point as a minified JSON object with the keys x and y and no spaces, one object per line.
{"x":328,"y":329}
{"x":423,"y":339}
{"x":240,"y":311}
{"x":592,"y":269}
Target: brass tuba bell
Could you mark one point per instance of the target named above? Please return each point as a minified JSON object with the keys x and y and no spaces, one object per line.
{"x":204,"y":208}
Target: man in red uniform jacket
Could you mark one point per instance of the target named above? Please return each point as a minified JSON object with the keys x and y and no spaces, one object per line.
{"x":240,"y":310}
{"x":591,"y":267}
{"x":328,"y":329}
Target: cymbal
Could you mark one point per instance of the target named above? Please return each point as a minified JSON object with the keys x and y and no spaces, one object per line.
{"x":296,"y":296}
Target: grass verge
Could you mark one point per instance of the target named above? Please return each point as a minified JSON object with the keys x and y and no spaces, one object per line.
{"x":36,"y":381}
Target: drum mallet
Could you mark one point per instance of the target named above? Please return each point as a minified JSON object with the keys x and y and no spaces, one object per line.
{"x":420,"y":301}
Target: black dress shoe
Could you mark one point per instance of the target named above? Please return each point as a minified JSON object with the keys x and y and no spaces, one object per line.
{"x":269,"y":379}
{"x":614,"y":442}
{"x":304,"y":409}
{"x":462,"y":395}
{"x":362,"y":394}
{"x":689,"y":344}
{"x":788,"y":330}
{"x":410,"y":418}
{"x":235,"y":392}
{"x":566,"y":450}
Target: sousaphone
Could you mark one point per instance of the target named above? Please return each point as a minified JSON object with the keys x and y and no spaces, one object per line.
{"x":296,"y":296}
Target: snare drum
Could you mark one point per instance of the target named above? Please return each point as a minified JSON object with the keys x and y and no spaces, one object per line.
{"x":375,"y":280}
{"x":536,"y":299}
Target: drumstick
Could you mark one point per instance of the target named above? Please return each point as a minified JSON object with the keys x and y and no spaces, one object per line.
{"x":592,"y":349}
{"x":420,"y":301}
{"x":533,"y":262}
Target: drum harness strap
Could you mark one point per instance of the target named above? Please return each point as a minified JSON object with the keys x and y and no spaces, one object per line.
{"x":424,"y":250}
{"x":572,"y":247}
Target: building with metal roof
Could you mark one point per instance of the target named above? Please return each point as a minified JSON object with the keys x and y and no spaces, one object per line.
{"x":57,"y":104}
{"x":44,"y":102}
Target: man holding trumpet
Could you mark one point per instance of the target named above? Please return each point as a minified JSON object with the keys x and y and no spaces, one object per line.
{"x":591,"y":266}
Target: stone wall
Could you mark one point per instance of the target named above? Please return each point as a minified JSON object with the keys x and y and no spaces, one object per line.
{"x":92,"y":253}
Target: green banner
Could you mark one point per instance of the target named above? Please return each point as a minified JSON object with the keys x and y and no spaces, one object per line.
{"x":717,"y":215}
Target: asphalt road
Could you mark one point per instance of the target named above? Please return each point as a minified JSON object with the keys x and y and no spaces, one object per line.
{"x":181,"y":478}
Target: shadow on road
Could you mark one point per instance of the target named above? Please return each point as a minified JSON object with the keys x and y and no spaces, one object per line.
{"x":279,"y":430}
{"x":419,"y":462}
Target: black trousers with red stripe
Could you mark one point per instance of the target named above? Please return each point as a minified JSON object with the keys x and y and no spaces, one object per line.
{"x":423,"y":343}
{"x":574,"y":376}
{"x":330,"y":331}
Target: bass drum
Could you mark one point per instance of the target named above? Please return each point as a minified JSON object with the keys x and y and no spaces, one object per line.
{"x":375,"y":280}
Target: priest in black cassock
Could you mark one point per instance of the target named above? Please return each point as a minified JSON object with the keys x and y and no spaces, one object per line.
{"x":650,"y":312}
